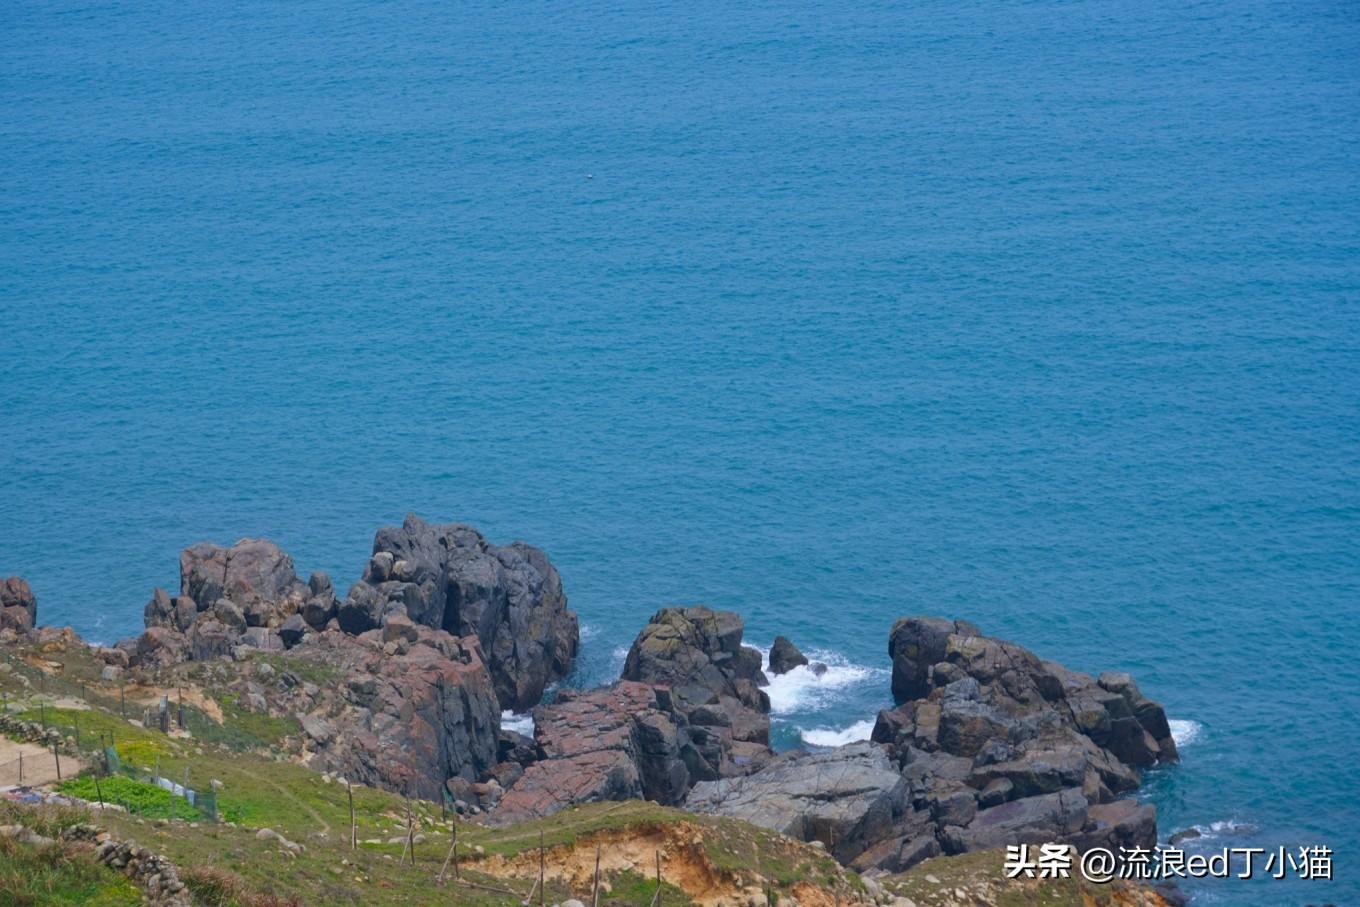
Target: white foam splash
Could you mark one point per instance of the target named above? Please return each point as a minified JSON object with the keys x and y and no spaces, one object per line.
{"x":829,"y":736}
{"x":520,"y":724}
{"x":1185,"y":732}
{"x":1229,"y":827}
{"x":803,"y":688}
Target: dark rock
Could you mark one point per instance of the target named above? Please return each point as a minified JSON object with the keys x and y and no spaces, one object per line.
{"x":160,"y":611}
{"x":1121,"y":824}
{"x":999,"y":747}
{"x":18,"y":605}
{"x":847,"y":798}
{"x":713,"y":681}
{"x":1186,"y":834}
{"x":292,"y":631}
{"x":784,"y":656}
{"x":262,"y":638}
{"x":1033,"y":820}
{"x":210,"y":638}
{"x":450,"y":577}
{"x":515,"y":747}
{"x":915,"y":645}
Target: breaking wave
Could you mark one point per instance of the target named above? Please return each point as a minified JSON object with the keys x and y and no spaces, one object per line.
{"x":1185,"y":732}
{"x":520,"y":724}
{"x":803,"y":689}
{"x":827,"y":736}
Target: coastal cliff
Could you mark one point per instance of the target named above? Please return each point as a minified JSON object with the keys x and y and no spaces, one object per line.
{"x":400,"y":686}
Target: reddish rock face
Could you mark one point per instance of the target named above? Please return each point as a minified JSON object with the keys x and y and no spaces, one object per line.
{"x":404,"y":714}
{"x":612,"y":743}
{"x":18,"y":606}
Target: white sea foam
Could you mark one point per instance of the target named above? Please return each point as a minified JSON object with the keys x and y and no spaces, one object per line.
{"x":830,"y":736}
{"x":1185,"y":732}
{"x":803,"y":688}
{"x":589,"y":631}
{"x":520,"y":724}
{"x":1229,"y":827}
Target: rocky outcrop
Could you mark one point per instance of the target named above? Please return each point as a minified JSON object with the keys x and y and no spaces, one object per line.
{"x":989,"y":746}
{"x":689,"y":708}
{"x":784,"y":656}
{"x":713,"y":681}
{"x":848,"y":798}
{"x":613,"y":743}
{"x":249,"y":585}
{"x":18,"y":605}
{"x":405,"y":707}
{"x":449,"y":577}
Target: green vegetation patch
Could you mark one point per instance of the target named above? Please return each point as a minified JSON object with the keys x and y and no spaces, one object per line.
{"x":244,"y":729}
{"x":138,"y":797}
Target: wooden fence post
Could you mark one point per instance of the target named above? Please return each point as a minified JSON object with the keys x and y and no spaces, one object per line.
{"x":353,"y":828}
{"x":595,"y":897}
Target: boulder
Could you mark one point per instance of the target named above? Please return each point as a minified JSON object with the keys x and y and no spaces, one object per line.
{"x":159,"y":647}
{"x":450,"y":577}
{"x":18,"y":605}
{"x":1000,"y":747}
{"x":292,"y":631}
{"x":250,"y":569}
{"x":613,"y":743}
{"x":848,"y":798}
{"x":712,"y":680}
{"x":784,"y":656}
{"x":1033,"y":820}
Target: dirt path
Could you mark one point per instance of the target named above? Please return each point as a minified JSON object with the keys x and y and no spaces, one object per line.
{"x":38,"y":765}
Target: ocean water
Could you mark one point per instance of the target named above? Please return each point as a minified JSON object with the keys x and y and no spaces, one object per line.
{"x":1038,"y":314}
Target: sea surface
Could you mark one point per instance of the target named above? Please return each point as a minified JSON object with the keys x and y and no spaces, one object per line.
{"x":1039,"y":314}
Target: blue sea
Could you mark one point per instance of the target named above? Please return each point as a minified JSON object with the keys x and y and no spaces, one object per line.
{"x":1039,"y":314}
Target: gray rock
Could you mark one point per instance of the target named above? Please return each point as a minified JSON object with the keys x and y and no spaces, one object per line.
{"x":292,"y":631}
{"x":252,"y":568}
{"x":847,"y":798}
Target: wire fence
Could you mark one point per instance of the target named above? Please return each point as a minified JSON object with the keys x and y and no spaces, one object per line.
{"x":44,"y":717}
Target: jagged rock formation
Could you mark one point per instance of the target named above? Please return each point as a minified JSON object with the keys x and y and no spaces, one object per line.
{"x":689,"y":708}
{"x":994,"y":747}
{"x":612,"y":743}
{"x":443,"y":631}
{"x":445,"y":577}
{"x":18,"y":606}
{"x":714,"y":681}
{"x":451,"y":578}
{"x":228,"y":592}
{"x":406,"y":708}
{"x":784,"y":656}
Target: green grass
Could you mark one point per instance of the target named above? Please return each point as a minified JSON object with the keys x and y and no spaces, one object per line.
{"x":245,"y":729}
{"x":138,"y":797}
{"x":631,"y":888}
{"x":58,"y":875}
